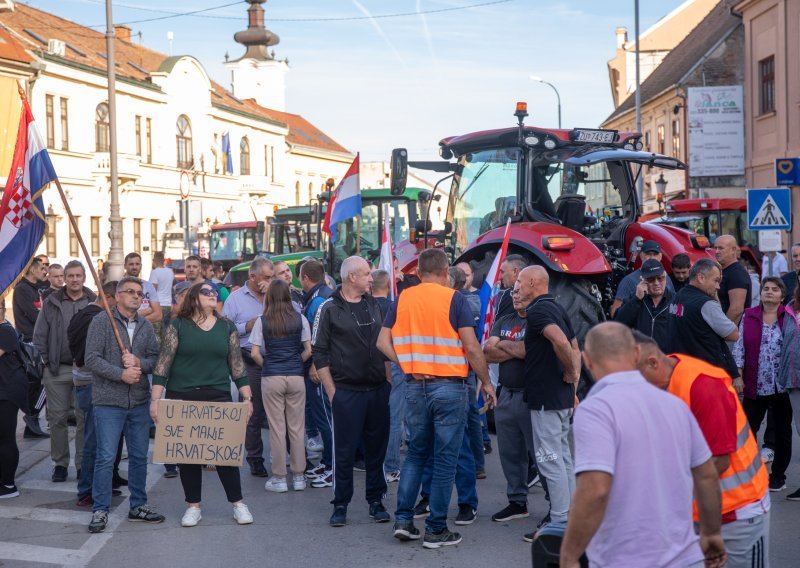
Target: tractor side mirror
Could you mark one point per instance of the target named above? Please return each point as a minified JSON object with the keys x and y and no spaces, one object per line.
{"x":399,"y":172}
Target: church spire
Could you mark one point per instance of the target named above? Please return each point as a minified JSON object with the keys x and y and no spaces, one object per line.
{"x":256,"y":38}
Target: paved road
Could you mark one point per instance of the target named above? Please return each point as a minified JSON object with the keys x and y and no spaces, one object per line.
{"x":44,"y":527}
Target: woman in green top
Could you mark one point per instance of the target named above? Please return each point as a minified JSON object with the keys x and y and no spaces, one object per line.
{"x":200,"y":356}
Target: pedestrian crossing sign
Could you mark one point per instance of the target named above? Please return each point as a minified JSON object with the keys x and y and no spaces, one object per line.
{"x":769,"y":208}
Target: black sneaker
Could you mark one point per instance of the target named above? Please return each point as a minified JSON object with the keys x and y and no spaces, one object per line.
{"x":85,"y":501}
{"x":794,"y":496}
{"x":145,"y":514}
{"x":379,"y":513}
{"x":528,"y":537}
{"x":32,"y":428}
{"x":118,"y":481}
{"x":359,"y":465}
{"x":406,"y":531}
{"x":513,"y":511}
{"x":442,"y":538}
{"x":466,"y":515}
{"x":170,"y":470}
{"x":257,"y":469}
{"x":422,"y":509}
{"x":487,"y":447}
{"x":59,"y":474}
{"x":339,"y":517}
{"x":533,"y":478}
{"x":99,"y":522}
{"x":776,"y":485}
{"x":8,"y":491}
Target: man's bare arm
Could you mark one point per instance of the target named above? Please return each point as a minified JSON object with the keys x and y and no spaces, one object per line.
{"x":478,"y":363}
{"x":709,"y":509}
{"x":567,"y":351}
{"x":386,"y":346}
{"x":514,"y":348}
{"x":493,"y":353}
{"x":586,"y":513}
{"x":737,"y":296}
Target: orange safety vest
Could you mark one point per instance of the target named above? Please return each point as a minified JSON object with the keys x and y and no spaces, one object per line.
{"x":423,"y":338}
{"x":746,"y":480}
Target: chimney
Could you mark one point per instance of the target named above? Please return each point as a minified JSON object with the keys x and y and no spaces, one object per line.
{"x":123,"y":32}
{"x":622,"y":37}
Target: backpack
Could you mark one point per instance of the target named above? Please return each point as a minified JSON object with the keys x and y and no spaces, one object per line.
{"x":31,"y":361}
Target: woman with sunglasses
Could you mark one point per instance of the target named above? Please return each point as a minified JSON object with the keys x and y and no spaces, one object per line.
{"x":285,"y":337}
{"x":200,"y":356}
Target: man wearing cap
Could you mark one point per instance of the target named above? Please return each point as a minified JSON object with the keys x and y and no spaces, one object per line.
{"x":627,"y":286}
{"x":647,"y":310}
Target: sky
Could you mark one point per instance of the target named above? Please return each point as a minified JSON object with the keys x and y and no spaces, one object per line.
{"x":378,"y":83}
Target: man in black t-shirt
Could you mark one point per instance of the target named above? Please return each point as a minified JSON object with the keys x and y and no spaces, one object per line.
{"x":506,"y":346}
{"x":552,"y":369}
{"x":735,"y":289}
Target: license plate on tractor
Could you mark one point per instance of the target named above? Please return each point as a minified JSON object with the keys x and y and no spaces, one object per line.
{"x":588,"y":135}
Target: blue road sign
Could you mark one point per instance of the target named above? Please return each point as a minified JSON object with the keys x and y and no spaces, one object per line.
{"x":769,"y":208}
{"x":787,"y":171}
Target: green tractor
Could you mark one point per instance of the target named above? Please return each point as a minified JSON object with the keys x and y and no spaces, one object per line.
{"x":295,"y":233}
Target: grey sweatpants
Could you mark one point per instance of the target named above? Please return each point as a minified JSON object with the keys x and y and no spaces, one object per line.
{"x":747,"y":542}
{"x":551,"y":434}
{"x":514,"y":442}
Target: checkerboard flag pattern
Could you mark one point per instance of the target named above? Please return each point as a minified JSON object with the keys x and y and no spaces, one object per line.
{"x":22,"y":223}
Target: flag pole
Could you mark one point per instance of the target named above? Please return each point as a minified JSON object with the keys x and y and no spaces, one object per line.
{"x":100,"y":293}
{"x":358,"y":235}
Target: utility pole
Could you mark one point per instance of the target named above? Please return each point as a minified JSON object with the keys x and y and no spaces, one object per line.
{"x":115,"y":254}
{"x":640,"y":180}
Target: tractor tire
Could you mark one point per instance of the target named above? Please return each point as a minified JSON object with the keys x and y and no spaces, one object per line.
{"x":575,"y":296}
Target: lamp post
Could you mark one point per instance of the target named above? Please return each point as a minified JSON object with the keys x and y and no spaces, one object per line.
{"x":558,"y":97}
{"x":115,"y":252}
{"x":661,"y":190}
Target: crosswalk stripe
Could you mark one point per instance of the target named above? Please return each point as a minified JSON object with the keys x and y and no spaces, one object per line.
{"x":42,"y":554}
{"x":60,"y":516}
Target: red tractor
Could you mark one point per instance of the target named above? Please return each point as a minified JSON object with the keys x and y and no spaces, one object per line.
{"x":571,"y":196}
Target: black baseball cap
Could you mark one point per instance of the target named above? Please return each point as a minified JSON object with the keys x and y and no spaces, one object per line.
{"x":651,"y":246}
{"x":651,"y":268}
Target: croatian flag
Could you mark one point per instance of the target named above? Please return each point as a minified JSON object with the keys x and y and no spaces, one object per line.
{"x":22,"y":223}
{"x":345,"y":201}
{"x":491,"y":289}
{"x":386,"y":261}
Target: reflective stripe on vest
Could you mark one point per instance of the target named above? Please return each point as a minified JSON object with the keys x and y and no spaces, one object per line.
{"x":746,"y":480}
{"x":423,"y":337}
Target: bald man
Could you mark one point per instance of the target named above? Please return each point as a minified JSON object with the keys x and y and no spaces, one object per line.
{"x":735,"y":289}
{"x":639,"y":456}
{"x":552,"y":368}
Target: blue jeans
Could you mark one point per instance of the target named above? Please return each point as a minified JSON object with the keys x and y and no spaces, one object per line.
{"x":83,"y":399}
{"x":436,"y":416}
{"x":474,"y":427}
{"x":397,"y":409}
{"x":109,"y":423}
{"x":466,"y":484}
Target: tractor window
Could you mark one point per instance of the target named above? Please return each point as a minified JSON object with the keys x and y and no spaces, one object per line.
{"x":397,"y":211}
{"x":485,"y":193}
{"x":227,"y":245}
{"x":349,"y":233}
{"x":735,"y":223}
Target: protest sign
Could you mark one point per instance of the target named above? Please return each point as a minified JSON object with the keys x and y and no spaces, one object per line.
{"x":200,"y":432}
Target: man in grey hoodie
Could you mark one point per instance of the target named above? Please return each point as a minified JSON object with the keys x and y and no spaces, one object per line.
{"x":50,"y":338}
{"x":120,"y":394}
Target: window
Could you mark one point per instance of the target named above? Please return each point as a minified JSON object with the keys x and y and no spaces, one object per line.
{"x":266,"y":161}
{"x":660,"y":138}
{"x":766,"y":81}
{"x":297,"y":193}
{"x":244,"y":157}
{"x":137,"y":235}
{"x":64,"y":124}
{"x":73,"y":239}
{"x":95,"y":226}
{"x":51,"y":121}
{"x":310,"y":191}
{"x":148,"y":146}
{"x":183,"y":137}
{"x":647,"y":141}
{"x":676,"y":138}
{"x":138,"y":130}
{"x":272,"y":163}
{"x":101,"y":128}
{"x":153,"y":236}
{"x":50,"y":236}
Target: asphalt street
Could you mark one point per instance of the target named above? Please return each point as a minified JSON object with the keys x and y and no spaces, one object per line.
{"x":44,"y":527}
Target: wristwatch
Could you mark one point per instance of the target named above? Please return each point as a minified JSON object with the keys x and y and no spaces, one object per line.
{"x":247,"y":399}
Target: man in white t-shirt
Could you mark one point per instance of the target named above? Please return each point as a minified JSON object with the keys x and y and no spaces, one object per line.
{"x":779,"y":264}
{"x":151,"y":307}
{"x":162,"y":279}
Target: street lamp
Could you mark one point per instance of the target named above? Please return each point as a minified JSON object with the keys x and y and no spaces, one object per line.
{"x":558,"y":97}
{"x":661,"y":190}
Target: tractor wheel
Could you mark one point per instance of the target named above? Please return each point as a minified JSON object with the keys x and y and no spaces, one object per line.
{"x":575,"y":295}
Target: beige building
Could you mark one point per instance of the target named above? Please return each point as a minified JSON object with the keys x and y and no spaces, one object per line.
{"x":772,"y":89}
{"x":710,"y":55}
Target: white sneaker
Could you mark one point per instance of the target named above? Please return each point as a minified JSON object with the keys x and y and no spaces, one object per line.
{"x":191,"y":517}
{"x":767,"y":455}
{"x":242,"y":514}
{"x":299,"y":482}
{"x":276,"y":485}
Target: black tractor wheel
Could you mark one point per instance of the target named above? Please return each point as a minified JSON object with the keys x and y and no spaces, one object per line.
{"x":576,"y":296}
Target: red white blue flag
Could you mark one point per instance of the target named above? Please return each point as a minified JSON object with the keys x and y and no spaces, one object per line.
{"x":22,"y":223}
{"x":386,"y":261}
{"x":345,"y":202}
{"x":490,"y":290}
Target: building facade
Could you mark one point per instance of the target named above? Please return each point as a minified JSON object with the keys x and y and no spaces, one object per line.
{"x":190,"y":153}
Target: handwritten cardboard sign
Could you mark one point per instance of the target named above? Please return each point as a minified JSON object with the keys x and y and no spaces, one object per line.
{"x":200,"y":432}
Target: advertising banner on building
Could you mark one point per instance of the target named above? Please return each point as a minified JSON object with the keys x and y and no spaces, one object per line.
{"x":716,"y":131}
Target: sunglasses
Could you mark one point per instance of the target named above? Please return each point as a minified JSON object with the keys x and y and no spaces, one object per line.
{"x":208,"y":292}
{"x":137,"y":293}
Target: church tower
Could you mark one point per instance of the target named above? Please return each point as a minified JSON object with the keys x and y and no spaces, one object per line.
{"x":257,"y":74}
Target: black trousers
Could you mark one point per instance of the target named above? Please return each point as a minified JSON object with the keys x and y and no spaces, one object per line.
{"x":192,"y":474}
{"x":781,"y":408}
{"x":357,"y":416}
{"x":9,"y":452}
{"x":253,"y":443}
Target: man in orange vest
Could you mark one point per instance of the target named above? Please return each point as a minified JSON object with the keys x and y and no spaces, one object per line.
{"x":428,"y":332}
{"x":743,"y":479}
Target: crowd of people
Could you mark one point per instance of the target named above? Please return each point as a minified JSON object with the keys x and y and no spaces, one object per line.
{"x":344,"y":376}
